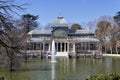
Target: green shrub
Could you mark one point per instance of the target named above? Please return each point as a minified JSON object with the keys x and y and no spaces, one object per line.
{"x":111,"y":76}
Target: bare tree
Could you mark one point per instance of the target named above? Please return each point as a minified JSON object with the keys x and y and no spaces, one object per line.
{"x":103,"y":27}
{"x":105,"y":33}
{"x":9,"y":43}
{"x":117,"y":31}
{"x":92,"y":25}
{"x":28,"y":22}
{"x":48,"y":26}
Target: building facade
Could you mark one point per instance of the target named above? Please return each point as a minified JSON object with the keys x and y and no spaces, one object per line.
{"x":67,"y":41}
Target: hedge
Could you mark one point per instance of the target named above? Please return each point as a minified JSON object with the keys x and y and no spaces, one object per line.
{"x":110,"y":76}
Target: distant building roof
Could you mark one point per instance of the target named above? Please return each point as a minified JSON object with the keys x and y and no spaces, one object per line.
{"x":70,"y":32}
{"x":35,"y":40}
{"x":87,"y":40}
{"x":40,"y":32}
{"x":80,"y":31}
{"x":60,"y":22}
{"x":84,"y":32}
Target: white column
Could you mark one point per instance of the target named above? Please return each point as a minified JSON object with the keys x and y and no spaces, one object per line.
{"x":57,"y":47}
{"x":64,"y":47}
{"x":60,"y":47}
{"x":68,"y":47}
{"x":43,"y":46}
{"x":73,"y":46}
{"x":49,"y":47}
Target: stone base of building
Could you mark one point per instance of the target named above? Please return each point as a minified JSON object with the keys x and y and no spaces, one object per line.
{"x":62,"y":54}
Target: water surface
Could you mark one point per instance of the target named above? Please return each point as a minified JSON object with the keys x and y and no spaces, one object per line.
{"x":64,"y":69}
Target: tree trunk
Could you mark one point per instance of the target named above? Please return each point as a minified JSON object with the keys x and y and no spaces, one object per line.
{"x":100,"y":47}
{"x":111,"y":48}
{"x":26,"y":58}
{"x":11,"y":58}
{"x":116,"y":50}
{"x":25,"y":54}
{"x":105,"y":49}
{"x":11,"y":66}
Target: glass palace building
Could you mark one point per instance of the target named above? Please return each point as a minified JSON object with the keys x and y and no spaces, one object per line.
{"x":67,"y":41}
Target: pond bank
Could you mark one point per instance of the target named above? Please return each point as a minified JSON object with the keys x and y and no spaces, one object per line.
{"x":112,"y":55}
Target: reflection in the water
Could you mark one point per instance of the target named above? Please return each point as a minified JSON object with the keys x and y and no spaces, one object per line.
{"x":64,"y":69}
{"x":52,"y":71}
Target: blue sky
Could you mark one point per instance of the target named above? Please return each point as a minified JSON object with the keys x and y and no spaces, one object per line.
{"x":74,"y":11}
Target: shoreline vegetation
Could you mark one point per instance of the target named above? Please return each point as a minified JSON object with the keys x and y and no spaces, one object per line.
{"x":109,"y":76}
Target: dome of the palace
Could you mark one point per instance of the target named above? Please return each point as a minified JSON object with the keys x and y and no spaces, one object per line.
{"x":60,"y":22}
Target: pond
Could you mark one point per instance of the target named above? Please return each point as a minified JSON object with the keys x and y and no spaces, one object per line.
{"x":64,"y":69}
